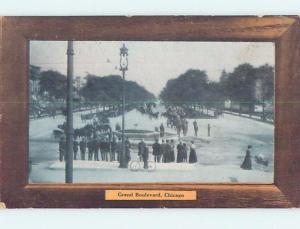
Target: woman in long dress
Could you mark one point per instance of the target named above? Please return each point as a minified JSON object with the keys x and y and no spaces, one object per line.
{"x":180,"y":155}
{"x":193,"y":156}
{"x":247,"y":163}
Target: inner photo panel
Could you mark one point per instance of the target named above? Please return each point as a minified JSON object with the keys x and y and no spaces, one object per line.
{"x":146,"y":111}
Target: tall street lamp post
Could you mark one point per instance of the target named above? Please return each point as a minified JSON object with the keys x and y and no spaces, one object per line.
{"x":123,"y":68}
{"x":69,"y":151}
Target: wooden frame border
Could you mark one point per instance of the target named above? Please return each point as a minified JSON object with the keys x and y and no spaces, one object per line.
{"x":16,"y":31}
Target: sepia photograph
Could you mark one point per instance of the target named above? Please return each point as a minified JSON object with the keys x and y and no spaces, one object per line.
{"x":151,"y":111}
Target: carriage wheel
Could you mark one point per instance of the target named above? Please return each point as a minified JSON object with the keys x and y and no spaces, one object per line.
{"x":134,"y":166}
{"x":151,"y":166}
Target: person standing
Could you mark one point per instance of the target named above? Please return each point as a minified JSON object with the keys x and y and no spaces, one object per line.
{"x":178,"y":128}
{"x":247,"y":163}
{"x":75,"y":149}
{"x":179,"y":153}
{"x":141,"y":148}
{"x":145,"y":157}
{"x":162,"y":131}
{"x":163,"y":148}
{"x":193,"y":156}
{"x":119,"y":149}
{"x":195,"y":128}
{"x":156,"y":151}
{"x":185,"y":152}
{"x":127,"y":152}
{"x":62,"y":148}
{"x":118,"y":127}
{"x":208,"y":130}
{"x":96,"y":149}
{"x":90,"y":146}
{"x":167,"y":156}
{"x":113,"y":148}
{"x":82,"y":146}
{"x":172,"y":154}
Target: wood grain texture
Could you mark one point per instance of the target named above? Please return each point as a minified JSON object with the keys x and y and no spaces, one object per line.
{"x":284,"y":31}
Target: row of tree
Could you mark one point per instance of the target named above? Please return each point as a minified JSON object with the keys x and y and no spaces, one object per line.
{"x":245,"y":85}
{"x":97,"y":89}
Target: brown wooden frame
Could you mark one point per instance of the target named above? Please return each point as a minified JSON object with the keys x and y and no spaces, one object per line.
{"x":14,"y":35}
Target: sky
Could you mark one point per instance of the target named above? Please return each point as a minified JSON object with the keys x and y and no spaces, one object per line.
{"x":151,"y":63}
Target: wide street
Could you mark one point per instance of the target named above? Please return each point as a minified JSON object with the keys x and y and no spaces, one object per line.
{"x":219,"y":156}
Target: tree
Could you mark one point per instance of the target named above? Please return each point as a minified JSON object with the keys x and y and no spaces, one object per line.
{"x":190,"y":86}
{"x":109,"y":89}
{"x":264,"y":88}
{"x":240,"y":84}
{"x":54,"y":83}
{"x":34,"y":72}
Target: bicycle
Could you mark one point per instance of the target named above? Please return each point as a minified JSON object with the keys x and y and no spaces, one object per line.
{"x":139,"y":165}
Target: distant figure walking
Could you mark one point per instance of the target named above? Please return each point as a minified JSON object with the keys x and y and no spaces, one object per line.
{"x":195,"y":128}
{"x":178,"y":128}
{"x":193,"y":156}
{"x":185,"y":127}
{"x":208,"y":130}
{"x":118,"y":127}
{"x":247,"y":163}
{"x":75,"y":149}
{"x":162,"y":131}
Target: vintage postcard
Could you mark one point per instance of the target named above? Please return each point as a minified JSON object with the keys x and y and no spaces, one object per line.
{"x":151,"y":111}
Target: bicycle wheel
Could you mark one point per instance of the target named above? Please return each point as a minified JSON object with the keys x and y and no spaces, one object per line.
{"x":151,"y":166}
{"x":134,"y":166}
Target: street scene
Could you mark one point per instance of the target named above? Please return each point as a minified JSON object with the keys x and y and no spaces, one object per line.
{"x":133,"y":111}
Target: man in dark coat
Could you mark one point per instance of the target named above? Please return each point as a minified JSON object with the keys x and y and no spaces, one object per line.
{"x":167,"y":155}
{"x":62,"y":148}
{"x":119,"y":149}
{"x":82,"y":146}
{"x":127,"y":152}
{"x":141,"y":148}
{"x":145,"y":157}
{"x":90,"y":146}
{"x":163,"y":149}
{"x":96,"y":149}
{"x":247,"y":163}
{"x":156,"y":151}
{"x":75,"y":149}
{"x":104,"y":147}
{"x":113,"y":149}
{"x":172,"y":154}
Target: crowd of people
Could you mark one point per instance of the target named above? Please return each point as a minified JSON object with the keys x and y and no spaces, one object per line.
{"x":164,"y":152}
{"x":96,"y":149}
{"x":105,"y":150}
